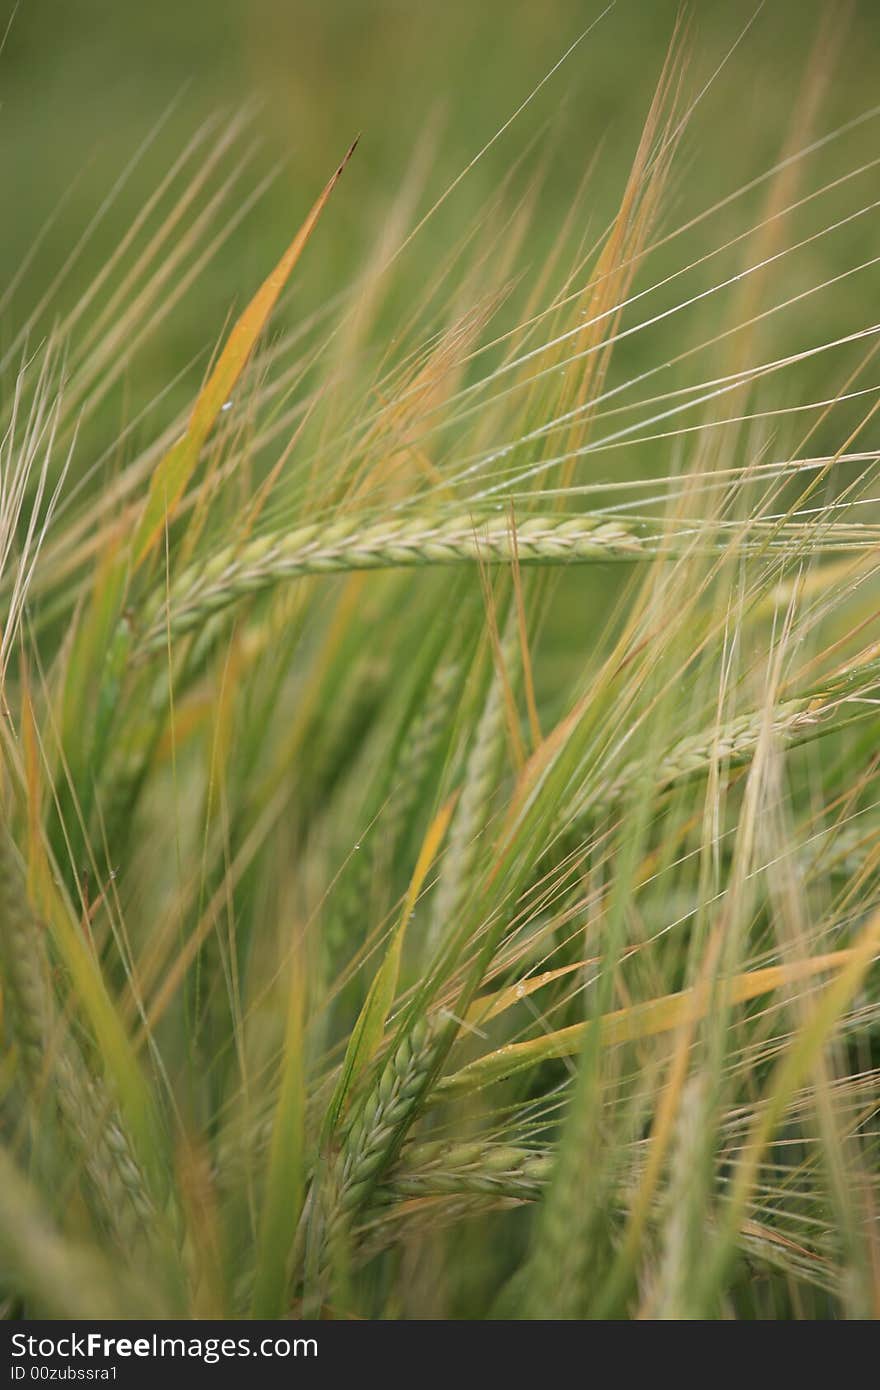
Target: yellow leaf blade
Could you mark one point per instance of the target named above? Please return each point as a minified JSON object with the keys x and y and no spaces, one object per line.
{"x":176,"y":467}
{"x":491,"y":1005}
{"x":639,"y":1021}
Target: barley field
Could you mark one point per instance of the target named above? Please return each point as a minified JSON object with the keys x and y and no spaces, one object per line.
{"x":440,"y":661}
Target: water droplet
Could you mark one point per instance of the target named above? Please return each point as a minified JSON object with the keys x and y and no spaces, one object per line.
{"x":227,"y":405}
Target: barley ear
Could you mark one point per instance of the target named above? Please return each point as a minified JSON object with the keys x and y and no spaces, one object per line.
{"x":49,"y":1051}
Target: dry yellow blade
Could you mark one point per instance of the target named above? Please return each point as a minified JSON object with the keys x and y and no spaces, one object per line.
{"x":639,"y":1021}
{"x":491,"y":1005}
{"x":176,"y":467}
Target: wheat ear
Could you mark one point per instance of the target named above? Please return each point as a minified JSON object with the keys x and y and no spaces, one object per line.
{"x":464,"y":1169}
{"x":88,"y":1113}
{"x":234,"y":573}
{"x":482,"y":770}
{"x":237,"y":571}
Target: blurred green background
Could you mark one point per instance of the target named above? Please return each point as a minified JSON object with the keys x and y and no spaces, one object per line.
{"x":84,"y":81}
